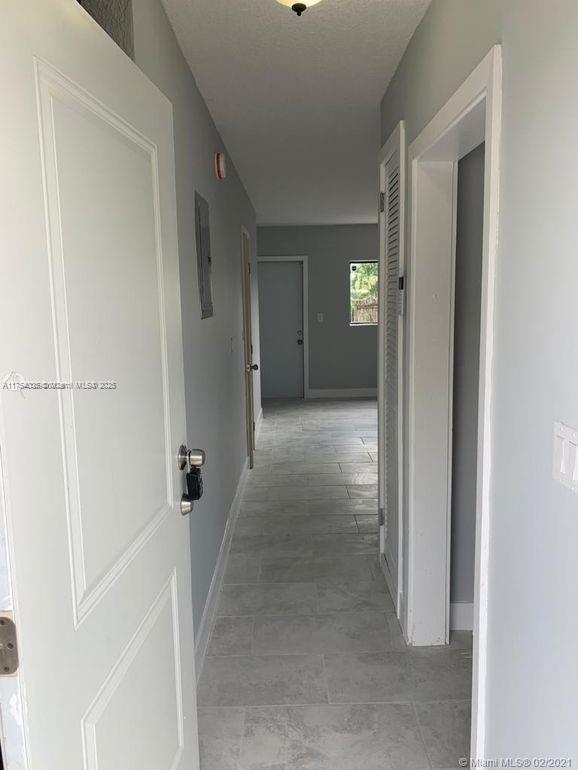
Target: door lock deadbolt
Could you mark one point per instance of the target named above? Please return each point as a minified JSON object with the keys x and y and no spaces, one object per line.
{"x":195,"y":458}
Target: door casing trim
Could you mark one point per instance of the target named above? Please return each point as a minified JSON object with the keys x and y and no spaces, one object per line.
{"x":452,"y":133}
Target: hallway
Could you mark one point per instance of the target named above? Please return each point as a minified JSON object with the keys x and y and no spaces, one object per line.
{"x":307,"y":667}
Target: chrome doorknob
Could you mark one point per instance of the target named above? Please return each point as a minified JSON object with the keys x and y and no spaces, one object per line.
{"x":197,"y":458}
{"x":252,"y":367}
{"x":194,"y":457}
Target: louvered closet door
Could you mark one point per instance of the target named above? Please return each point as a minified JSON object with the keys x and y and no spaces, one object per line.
{"x":392,"y":260}
{"x":391,"y":346}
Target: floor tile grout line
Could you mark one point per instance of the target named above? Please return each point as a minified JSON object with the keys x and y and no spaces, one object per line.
{"x":253,"y":624}
{"x":259,"y":567}
{"x":331,"y":703}
{"x":242,"y":741}
{"x":325,"y":677}
{"x":419,"y":730}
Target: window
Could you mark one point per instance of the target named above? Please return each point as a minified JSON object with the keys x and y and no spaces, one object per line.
{"x":363,"y":292}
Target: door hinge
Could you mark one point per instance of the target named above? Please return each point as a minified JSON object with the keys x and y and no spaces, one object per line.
{"x":401,"y":283}
{"x":382,"y":202}
{"x":8,"y":647}
{"x":381,"y":517}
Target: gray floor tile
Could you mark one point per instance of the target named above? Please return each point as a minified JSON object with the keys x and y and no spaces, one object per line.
{"x":255,"y":493}
{"x":242,"y":568}
{"x":292,"y":468}
{"x":248,"y":525}
{"x":274,"y":599}
{"x":306,"y":507}
{"x":231,"y":636}
{"x":305,"y":493}
{"x":262,"y":680}
{"x":312,"y":479}
{"x":445,"y":729}
{"x":272,"y":508}
{"x":383,"y":737}
{"x":289,"y":569}
{"x":363,"y":490}
{"x":398,"y":676}
{"x":220,"y":735}
{"x":364,"y":631}
{"x":304,"y":595}
{"x":461,"y":640}
{"x":339,"y":507}
{"x":359,"y":468}
{"x":314,"y":456}
{"x":353,"y":594}
{"x":272,"y":544}
{"x":311,"y":525}
{"x":327,"y":544}
{"x":367,"y":522}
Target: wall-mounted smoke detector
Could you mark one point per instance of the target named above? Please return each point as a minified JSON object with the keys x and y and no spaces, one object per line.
{"x":299,"y":7}
{"x":220,"y":165}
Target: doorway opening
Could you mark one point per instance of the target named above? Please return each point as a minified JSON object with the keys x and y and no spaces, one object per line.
{"x":284,"y":327}
{"x":465,"y":363}
{"x":250,"y":367}
{"x":471,"y":117}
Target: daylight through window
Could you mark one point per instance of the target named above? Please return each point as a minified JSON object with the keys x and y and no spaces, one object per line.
{"x":364,"y":292}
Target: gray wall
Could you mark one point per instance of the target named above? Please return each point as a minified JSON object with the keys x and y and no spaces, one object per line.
{"x":340,"y":356}
{"x":213,"y":349}
{"x":468,"y":286}
{"x":533,"y":582}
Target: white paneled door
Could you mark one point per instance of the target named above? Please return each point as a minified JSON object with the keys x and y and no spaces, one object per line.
{"x":92,"y":400}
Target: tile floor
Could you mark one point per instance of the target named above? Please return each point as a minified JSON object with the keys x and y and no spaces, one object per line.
{"x":307,"y":668}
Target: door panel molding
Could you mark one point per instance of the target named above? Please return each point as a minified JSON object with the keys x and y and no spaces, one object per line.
{"x":166,"y":600}
{"x":55,"y":89}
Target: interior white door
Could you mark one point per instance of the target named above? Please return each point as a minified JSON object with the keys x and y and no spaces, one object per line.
{"x":281,"y":328}
{"x":98,"y":549}
{"x":391,"y":359}
{"x":250,"y":367}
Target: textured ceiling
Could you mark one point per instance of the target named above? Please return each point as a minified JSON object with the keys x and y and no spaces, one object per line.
{"x":297,"y":99}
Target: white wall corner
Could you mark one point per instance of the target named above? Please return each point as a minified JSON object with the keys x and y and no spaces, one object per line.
{"x":209,"y":617}
{"x":461,"y":616}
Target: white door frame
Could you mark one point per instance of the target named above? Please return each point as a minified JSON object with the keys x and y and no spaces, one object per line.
{"x":394,"y":145}
{"x":472,"y":115}
{"x":305,"y":269}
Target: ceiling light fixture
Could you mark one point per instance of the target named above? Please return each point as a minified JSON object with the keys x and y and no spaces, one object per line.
{"x":299,"y":7}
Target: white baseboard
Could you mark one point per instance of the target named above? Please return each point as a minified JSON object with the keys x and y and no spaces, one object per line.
{"x":342,"y":393}
{"x":258,"y":423}
{"x":389,"y":581}
{"x":210,"y":612}
{"x":461,"y":616}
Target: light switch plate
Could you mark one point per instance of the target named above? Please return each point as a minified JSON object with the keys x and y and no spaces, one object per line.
{"x":566,"y":456}
{"x":319,"y":318}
